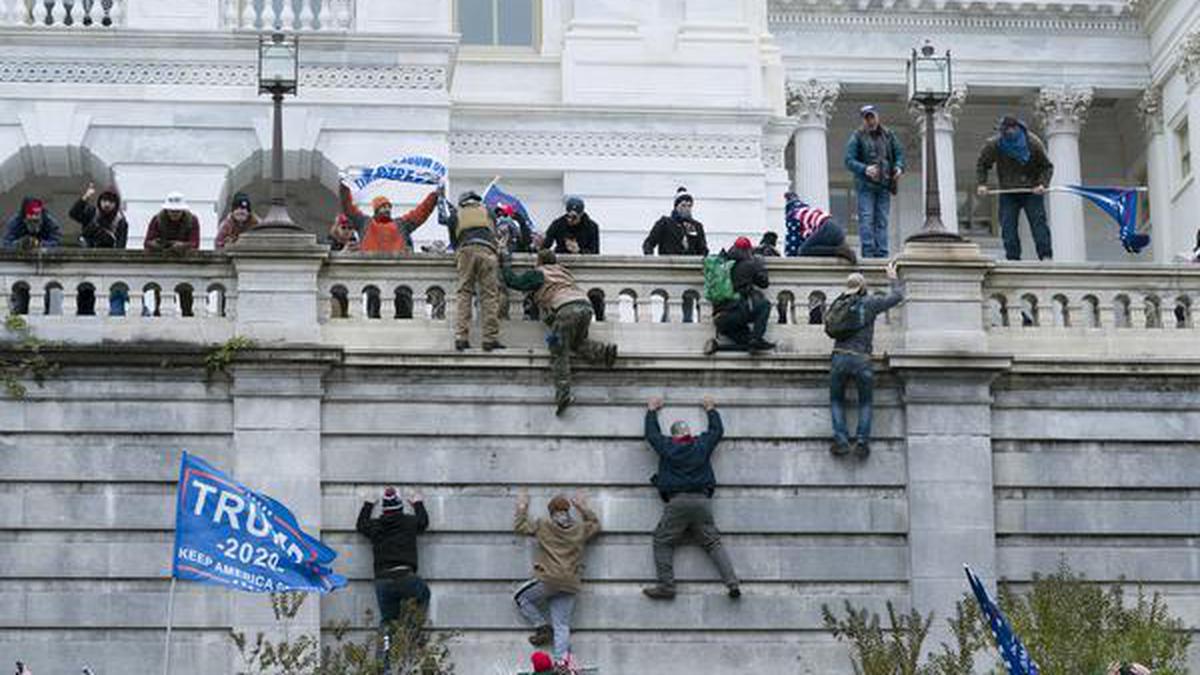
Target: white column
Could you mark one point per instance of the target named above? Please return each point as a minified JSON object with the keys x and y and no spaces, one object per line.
{"x":1190,"y":65}
{"x":811,"y":103}
{"x":945,"y":119}
{"x":1063,"y":110}
{"x":1164,"y":241}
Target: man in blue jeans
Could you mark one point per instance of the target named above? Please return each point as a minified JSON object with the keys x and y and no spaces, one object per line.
{"x":393,"y":536}
{"x":852,"y":360}
{"x":876,"y":159}
{"x":1022,"y":166}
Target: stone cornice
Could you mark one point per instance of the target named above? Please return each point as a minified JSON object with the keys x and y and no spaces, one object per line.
{"x":606,"y":144}
{"x":811,"y":101}
{"x":1064,"y":108}
{"x":987,"y":7}
{"x":949,"y":21}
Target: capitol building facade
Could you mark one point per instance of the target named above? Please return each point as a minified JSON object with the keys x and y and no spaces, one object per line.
{"x":617,"y":102}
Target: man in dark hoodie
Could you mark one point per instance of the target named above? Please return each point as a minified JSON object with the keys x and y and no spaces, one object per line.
{"x":393,"y":538}
{"x":685,"y":481}
{"x":104,"y":225}
{"x":743,"y":319}
{"x":1021,"y":164}
{"x":678,"y":233}
{"x":32,"y":227}
{"x":574,"y":231}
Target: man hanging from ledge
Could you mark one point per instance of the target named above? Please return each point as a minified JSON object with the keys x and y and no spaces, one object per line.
{"x":686,"y":482}
{"x":566,"y":309}
{"x":557,"y":568}
{"x":393,"y":534}
{"x":380,"y":233}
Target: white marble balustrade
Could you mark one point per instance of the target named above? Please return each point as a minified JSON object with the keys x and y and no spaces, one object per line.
{"x":62,"y":13}
{"x":290,"y":15}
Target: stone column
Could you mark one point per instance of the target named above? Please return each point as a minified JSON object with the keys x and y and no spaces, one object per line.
{"x":1163,"y":239}
{"x":811,"y":102}
{"x":944,"y":120}
{"x":277,"y":295}
{"x":1190,"y":65}
{"x":1063,"y":110}
{"x":947,"y":375}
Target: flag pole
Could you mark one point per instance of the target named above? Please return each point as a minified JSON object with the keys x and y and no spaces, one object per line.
{"x":495,"y":180}
{"x":1052,"y":188}
{"x":170,"y":621}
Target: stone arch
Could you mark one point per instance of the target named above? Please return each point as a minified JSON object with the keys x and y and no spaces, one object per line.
{"x":310,"y":187}
{"x":57,"y":175}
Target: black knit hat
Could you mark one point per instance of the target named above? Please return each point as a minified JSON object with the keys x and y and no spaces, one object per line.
{"x":240,"y":200}
{"x":574,"y":204}
{"x":682,"y":195}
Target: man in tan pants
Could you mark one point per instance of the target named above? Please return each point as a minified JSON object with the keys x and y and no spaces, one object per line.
{"x":474,"y":236}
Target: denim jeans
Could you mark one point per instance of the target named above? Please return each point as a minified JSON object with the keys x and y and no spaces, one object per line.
{"x":393,"y":594}
{"x":532,"y":597}
{"x":874,"y":206}
{"x":745,"y":322}
{"x":1035,"y":212}
{"x":824,"y":242}
{"x":843,"y":367}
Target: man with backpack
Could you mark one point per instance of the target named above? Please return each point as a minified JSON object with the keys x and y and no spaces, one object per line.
{"x":850,"y":321}
{"x":733,"y":283}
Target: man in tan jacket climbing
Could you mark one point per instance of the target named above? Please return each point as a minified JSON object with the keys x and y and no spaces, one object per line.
{"x":557,"y":567}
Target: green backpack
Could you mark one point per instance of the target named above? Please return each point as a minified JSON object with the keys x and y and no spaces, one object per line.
{"x":718,"y":279}
{"x":845,"y":316}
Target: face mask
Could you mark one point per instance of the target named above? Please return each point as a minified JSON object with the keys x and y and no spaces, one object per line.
{"x":562,"y":518}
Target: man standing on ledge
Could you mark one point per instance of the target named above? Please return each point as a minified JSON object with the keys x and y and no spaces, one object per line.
{"x":1023,"y":167}
{"x":876,"y":159}
{"x":686,"y":482}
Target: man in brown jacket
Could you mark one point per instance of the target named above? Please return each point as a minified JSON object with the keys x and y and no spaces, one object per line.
{"x":556,"y":568}
{"x":568,"y":311}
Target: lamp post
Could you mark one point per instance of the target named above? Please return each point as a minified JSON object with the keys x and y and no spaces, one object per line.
{"x":278,"y":69}
{"x":930,"y":85}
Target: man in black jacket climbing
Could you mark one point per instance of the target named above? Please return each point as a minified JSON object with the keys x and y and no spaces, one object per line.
{"x":393,"y":536}
{"x":685,"y":481}
{"x":743,"y":319}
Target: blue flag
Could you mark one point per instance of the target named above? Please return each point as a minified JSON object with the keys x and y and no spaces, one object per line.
{"x":1016,"y":658}
{"x":1121,"y":205}
{"x":496,"y":196}
{"x":227,"y":534}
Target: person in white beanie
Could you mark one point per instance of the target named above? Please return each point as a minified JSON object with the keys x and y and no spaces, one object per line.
{"x":174,"y":228}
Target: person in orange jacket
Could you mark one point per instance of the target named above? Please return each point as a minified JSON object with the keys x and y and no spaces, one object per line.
{"x":380,"y":232}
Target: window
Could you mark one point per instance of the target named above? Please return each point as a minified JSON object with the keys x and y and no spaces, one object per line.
{"x":505,"y":23}
{"x":1183,"y":143}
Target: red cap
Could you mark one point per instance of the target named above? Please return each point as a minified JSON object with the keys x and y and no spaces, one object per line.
{"x":33,"y":208}
{"x":507,"y":209}
{"x":743,"y":242}
{"x":541,"y":662}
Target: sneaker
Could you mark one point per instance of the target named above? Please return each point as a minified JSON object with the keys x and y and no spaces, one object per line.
{"x":710,"y":347}
{"x":847,"y":253}
{"x":735,"y":591}
{"x":862,"y":449}
{"x":492,"y":346}
{"x":761,"y":345}
{"x":839,"y":449}
{"x":542,"y":635}
{"x":462,"y":345}
{"x":610,"y":355}
{"x":562,"y":404}
{"x":659,"y":592}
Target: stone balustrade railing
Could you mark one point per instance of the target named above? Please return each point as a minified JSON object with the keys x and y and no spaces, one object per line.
{"x":62,"y":13}
{"x":648,"y":305}
{"x":289,"y":15}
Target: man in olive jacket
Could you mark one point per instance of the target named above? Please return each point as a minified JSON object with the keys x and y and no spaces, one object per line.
{"x":686,"y":482}
{"x":1021,"y":164}
{"x":557,"y":566}
{"x":393,"y":538}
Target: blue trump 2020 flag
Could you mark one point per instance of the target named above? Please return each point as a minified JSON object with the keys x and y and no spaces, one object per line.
{"x":495,"y":196}
{"x":1016,"y":657}
{"x":230,"y":535}
{"x":1121,"y":205}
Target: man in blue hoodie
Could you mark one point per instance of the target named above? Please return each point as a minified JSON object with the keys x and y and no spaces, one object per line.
{"x":32,"y":227}
{"x":686,"y":482}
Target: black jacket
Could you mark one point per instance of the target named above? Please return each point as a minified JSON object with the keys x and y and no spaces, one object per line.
{"x":684,"y":467}
{"x":393,"y":536}
{"x":586,"y":234}
{"x":98,"y":231}
{"x":749,"y":274}
{"x":671,"y":237}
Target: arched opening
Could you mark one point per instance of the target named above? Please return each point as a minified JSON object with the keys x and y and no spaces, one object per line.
{"x":785,"y":306}
{"x":1029,"y":311}
{"x":1061,"y":311}
{"x":1091,"y":311}
{"x":1183,"y":312}
{"x":52,"y":304}
{"x":435,"y":303}
{"x":596,"y":295}
{"x":403,"y":303}
{"x":214,"y":300}
{"x":997,"y":311}
{"x":660,"y":305}
{"x":85,"y":299}
{"x":339,"y":302}
{"x":118,"y":299}
{"x":18,"y":300}
{"x":151,"y":299}
{"x":816,"y":308}
{"x":310,"y":187}
{"x":371,"y":302}
{"x":691,"y":307}
{"x":184,"y":298}
{"x":627,"y":307}
{"x":57,"y":175}
{"x":1121,"y":317}
{"x":1153,"y":309}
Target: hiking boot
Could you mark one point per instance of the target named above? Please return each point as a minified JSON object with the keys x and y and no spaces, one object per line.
{"x":710,"y":347}
{"x":462,"y":345}
{"x":562,"y":404}
{"x":761,"y":345}
{"x":735,"y":591}
{"x":492,"y":346}
{"x":542,"y":635}
{"x":845,"y":252}
{"x":839,"y":449}
{"x":659,"y":592}
{"x":862,"y":449}
{"x":610,"y":355}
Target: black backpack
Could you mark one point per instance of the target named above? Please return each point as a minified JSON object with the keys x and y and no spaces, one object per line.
{"x":845,"y":316}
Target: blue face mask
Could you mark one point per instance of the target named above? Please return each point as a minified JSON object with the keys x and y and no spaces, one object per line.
{"x":1015,"y":144}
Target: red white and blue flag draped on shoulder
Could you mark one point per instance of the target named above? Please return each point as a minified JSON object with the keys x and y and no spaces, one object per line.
{"x":230,"y":535}
{"x":1121,"y":205}
{"x":1016,"y":658}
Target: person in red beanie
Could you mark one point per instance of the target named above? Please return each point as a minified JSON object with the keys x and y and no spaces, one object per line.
{"x":32,"y":227}
{"x":743,"y":320}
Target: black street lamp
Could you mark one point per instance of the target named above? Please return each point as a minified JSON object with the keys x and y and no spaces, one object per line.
{"x":930,"y":85}
{"x":278,"y":73}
